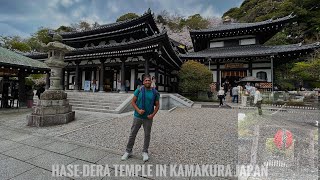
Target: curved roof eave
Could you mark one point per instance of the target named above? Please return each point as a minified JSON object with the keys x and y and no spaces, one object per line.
{"x":246,"y":51}
{"x":113,"y":26}
{"x":235,"y":26}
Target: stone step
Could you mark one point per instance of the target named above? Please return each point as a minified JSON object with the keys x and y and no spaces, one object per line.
{"x":114,"y":101}
{"x":93,"y":106}
{"x":93,"y":110}
{"x":95,"y":103}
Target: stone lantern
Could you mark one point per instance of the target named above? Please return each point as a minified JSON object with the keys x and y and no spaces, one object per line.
{"x":53,"y":107}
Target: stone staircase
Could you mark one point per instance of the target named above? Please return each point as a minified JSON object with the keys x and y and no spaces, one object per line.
{"x":117,"y":102}
{"x":98,"y":102}
{"x":185,"y":100}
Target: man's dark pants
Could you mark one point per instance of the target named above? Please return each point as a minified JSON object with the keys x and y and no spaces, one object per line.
{"x":259,"y":107}
{"x":137,"y":123}
{"x":235,"y":98}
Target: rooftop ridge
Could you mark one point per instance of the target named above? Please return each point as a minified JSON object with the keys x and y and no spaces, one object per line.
{"x":105,"y":25}
{"x":231,"y":26}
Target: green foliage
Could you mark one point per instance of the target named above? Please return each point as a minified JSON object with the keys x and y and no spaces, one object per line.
{"x":42,"y":35}
{"x":308,"y":70}
{"x":127,"y":17}
{"x":307,"y":11}
{"x":14,"y":43}
{"x":29,"y":82}
{"x":65,"y":29}
{"x":194,"y":77}
{"x":195,"y":22}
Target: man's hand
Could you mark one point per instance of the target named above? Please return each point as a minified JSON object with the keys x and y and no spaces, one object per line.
{"x":141,"y":111}
{"x":150,"y":116}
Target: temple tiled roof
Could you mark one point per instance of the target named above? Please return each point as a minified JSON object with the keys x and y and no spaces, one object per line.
{"x":234,"y":26}
{"x":10,"y":58}
{"x":119,"y":44}
{"x":117,"y":26}
{"x":251,"y":50}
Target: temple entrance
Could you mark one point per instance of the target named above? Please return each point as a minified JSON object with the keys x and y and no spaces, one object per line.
{"x":108,"y":80}
{"x":232,"y":76}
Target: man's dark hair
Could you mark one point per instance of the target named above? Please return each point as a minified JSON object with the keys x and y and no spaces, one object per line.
{"x":146,"y":76}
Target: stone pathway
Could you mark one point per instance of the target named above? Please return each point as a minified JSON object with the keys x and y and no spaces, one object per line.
{"x":184,"y":135}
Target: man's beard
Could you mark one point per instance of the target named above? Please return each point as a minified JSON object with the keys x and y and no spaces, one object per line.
{"x":147,"y":85}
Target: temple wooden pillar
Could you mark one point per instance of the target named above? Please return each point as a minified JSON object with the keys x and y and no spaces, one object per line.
{"x":68,"y":77}
{"x":250,"y":67}
{"x":123,"y":74}
{"x":22,"y":89}
{"x":156,"y":74}
{"x":136,"y":77}
{"x":101,"y":79}
{"x":76,"y":80}
{"x":146,"y":66}
{"x":218,"y":77}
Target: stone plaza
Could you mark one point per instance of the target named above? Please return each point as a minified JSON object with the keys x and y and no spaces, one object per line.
{"x":197,"y":135}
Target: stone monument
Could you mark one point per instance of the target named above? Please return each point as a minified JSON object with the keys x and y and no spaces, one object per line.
{"x":53,"y":107}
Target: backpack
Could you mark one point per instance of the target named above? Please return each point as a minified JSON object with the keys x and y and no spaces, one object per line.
{"x":155,"y":93}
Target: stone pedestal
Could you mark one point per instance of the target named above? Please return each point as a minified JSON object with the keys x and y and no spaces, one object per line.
{"x":52,"y":109}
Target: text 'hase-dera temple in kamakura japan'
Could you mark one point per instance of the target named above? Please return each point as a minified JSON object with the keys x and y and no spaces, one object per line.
{"x":129,"y":49}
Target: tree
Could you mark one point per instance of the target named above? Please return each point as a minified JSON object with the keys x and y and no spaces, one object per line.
{"x":95,"y":25}
{"x":307,"y":16}
{"x":196,"y":22}
{"x":308,"y":71}
{"x":127,"y":17}
{"x":194,"y":77}
{"x":81,"y":26}
{"x":65,"y":29}
{"x":14,"y":43}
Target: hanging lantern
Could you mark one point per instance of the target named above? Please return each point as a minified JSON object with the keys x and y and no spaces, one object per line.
{"x":283,"y":139}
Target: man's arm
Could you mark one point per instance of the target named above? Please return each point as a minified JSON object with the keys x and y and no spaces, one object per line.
{"x":133,"y":103}
{"x":155,"y":110}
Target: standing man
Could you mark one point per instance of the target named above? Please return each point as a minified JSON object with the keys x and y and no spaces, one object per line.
{"x":144,"y":100}
{"x":235,"y":93}
{"x":258,"y":100}
{"x":127,"y":85}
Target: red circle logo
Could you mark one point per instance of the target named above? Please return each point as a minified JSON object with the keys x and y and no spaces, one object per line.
{"x":283,"y":139}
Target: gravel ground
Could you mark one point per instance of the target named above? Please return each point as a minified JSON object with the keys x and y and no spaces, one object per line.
{"x":187,"y":136}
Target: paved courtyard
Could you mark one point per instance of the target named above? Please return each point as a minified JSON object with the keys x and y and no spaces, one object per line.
{"x":183,"y":136}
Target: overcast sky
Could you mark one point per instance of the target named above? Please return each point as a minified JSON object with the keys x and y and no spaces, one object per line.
{"x":24,"y":17}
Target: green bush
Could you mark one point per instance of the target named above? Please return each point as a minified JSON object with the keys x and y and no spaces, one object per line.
{"x":194,"y":77}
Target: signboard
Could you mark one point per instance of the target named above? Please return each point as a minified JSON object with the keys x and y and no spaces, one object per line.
{"x":233,"y":65}
{"x":87,"y":85}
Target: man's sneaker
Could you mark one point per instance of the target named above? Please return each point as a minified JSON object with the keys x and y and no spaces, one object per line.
{"x":126,"y":156}
{"x":145,"y":156}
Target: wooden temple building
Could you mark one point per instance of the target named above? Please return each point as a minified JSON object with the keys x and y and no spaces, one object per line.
{"x":122,"y":51}
{"x":125,"y":51}
{"x":236,"y":50}
{"x":14,"y":68}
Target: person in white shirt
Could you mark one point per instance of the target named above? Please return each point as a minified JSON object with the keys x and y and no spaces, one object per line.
{"x":258,"y":100}
{"x":221,"y":95}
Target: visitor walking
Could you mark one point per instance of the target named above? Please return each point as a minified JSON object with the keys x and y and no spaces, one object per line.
{"x":144,"y":100}
{"x":118,"y":85}
{"x":127,"y":85}
{"x":258,"y":100}
{"x":235,"y":94}
{"x":153,"y":83}
{"x":94,"y":85}
{"x":221,"y":95}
